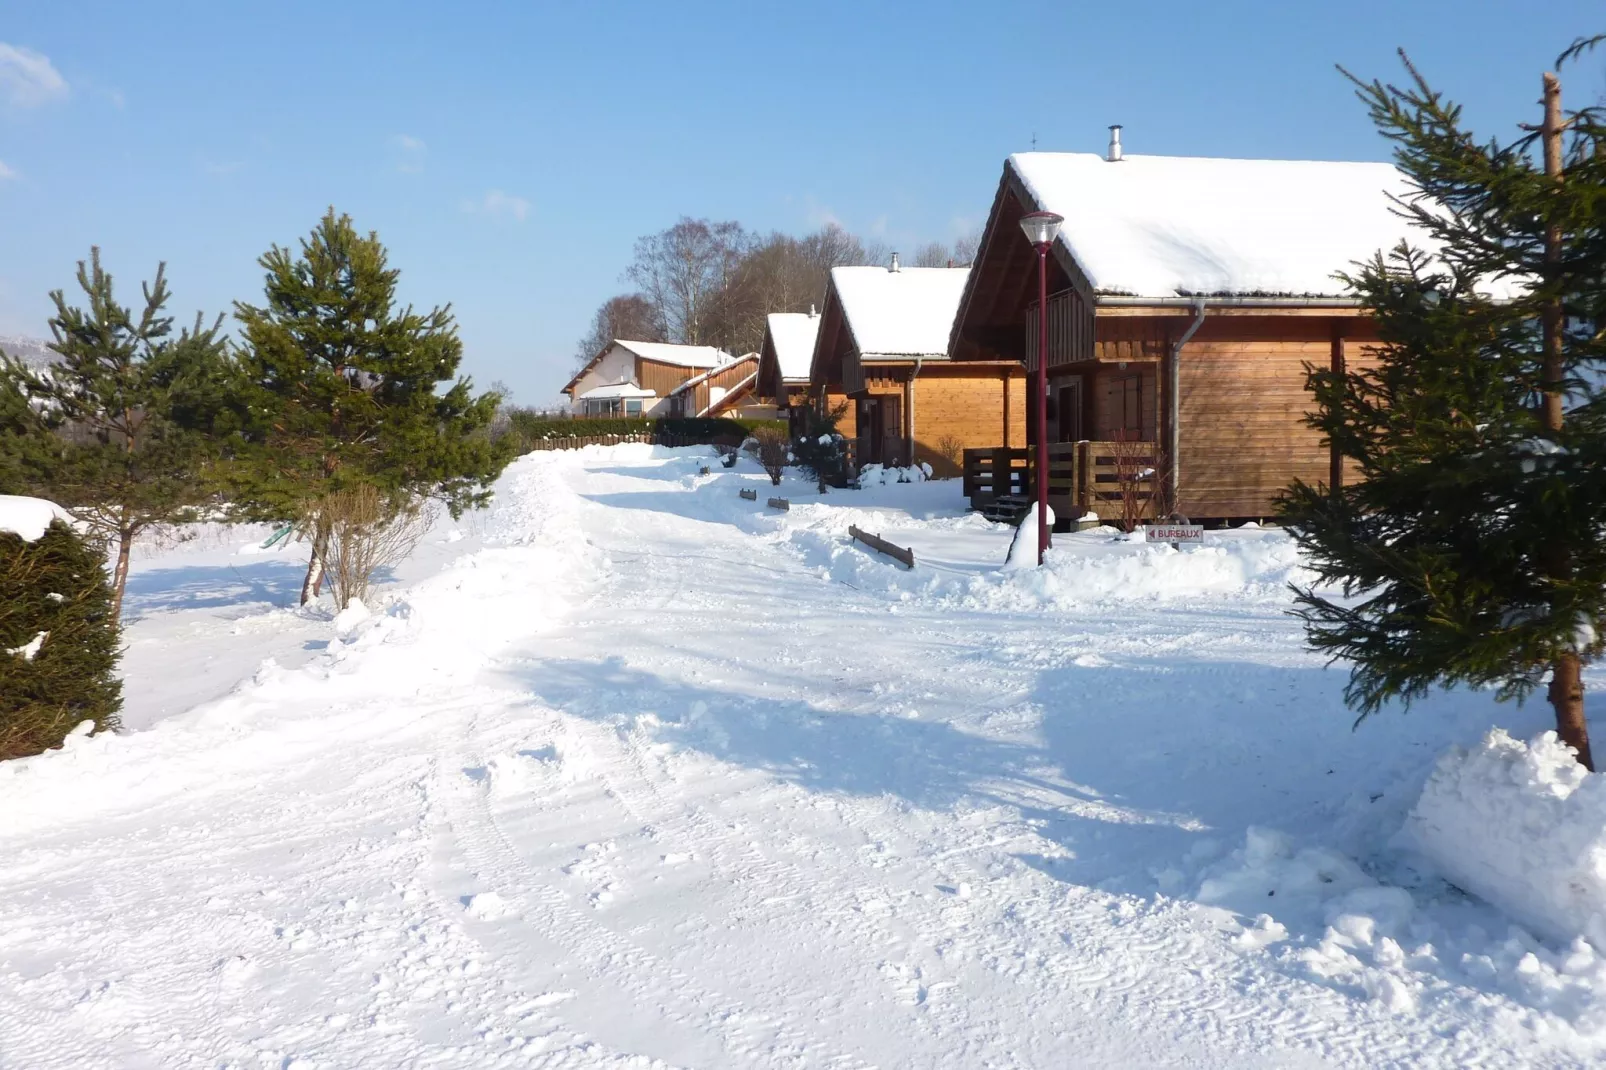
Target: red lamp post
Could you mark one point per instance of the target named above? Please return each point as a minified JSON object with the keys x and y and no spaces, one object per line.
{"x":1040,"y":229}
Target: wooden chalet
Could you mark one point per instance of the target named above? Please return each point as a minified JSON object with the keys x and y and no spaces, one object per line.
{"x":784,"y":360}
{"x":1186,"y":297}
{"x":638,"y":378}
{"x":882,"y":353}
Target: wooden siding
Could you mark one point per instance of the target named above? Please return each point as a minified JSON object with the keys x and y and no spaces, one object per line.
{"x":1242,"y":407}
{"x":661,"y":378}
{"x":968,"y":407}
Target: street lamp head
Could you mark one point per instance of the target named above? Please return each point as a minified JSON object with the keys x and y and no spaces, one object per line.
{"x":1041,"y":227}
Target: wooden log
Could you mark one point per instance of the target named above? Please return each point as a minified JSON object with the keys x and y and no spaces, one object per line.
{"x":750,"y":495}
{"x":779,"y":503}
{"x":880,"y":545}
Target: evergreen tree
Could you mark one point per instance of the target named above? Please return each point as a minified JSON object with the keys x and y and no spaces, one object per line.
{"x":1471,"y":546}
{"x":341,"y":388}
{"x":116,"y":430}
{"x":58,"y":641}
{"x":820,"y":450}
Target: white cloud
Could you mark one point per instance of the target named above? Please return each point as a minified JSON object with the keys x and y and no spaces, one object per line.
{"x":409,"y":153}
{"x":499,"y":204}
{"x":6,"y":172}
{"x":118,"y":100}
{"x":27,"y":78}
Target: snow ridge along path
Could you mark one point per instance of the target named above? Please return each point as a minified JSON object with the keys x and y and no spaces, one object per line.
{"x":656,"y":778}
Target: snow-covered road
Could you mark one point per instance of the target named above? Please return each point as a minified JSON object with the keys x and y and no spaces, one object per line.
{"x":651,"y":776}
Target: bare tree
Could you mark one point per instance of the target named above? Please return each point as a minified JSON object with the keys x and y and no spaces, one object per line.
{"x":966,"y":248}
{"x":628,"y":316}
{"x":932,"y":254}
{"x":682,"y":271}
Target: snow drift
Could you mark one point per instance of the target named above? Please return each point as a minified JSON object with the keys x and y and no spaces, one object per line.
{"x":1523,"y":826}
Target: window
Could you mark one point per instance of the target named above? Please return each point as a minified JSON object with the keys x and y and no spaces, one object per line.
{"x":632,"y":406}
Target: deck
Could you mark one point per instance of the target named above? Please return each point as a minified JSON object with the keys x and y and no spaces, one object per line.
{"x":1116,"y":481}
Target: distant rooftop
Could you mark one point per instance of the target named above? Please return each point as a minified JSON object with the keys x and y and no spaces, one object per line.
{"x":685,"y":356}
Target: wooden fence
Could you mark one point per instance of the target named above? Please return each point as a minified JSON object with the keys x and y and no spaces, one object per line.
{"x":1083,"y":477}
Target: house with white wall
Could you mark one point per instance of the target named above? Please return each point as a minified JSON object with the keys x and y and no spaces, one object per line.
{"x":637,"y":378}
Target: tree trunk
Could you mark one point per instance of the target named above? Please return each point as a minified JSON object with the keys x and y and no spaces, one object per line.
{"x":1567,"y":697}
{"x":125,"y":544}
{"x":312,"y":583}
{"x":1566,"y":680}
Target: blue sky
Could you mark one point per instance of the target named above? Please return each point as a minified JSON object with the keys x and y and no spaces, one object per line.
{"x":509,"y":154}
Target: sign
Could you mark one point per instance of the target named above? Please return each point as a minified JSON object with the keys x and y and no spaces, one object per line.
{"x":1174,"y":533}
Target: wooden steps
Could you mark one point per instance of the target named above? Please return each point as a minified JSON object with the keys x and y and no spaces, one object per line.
{"x":1008,"y":509}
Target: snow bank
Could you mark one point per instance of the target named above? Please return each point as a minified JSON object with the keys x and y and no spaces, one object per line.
{"x":1522,"y":826}
{"x":29,"y":517}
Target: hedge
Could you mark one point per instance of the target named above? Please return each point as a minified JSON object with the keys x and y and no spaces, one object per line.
{"x":679,"y":430}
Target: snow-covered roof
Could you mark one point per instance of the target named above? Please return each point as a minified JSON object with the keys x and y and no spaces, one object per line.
{"x":669,"y":353}
{"x":29,"y":517}
{"x":904,"y":313}
{"x":1163,"y":226}
{"x":793,"y":334}
{"x":617,"y":390}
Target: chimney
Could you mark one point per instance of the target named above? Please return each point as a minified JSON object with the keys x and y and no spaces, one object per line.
{"x":1114,"y":155}
{"x":812,"y":313}
{"x":894,"y":265}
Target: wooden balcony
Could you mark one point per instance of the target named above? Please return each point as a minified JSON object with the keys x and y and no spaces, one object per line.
{"x":1083,"y":477}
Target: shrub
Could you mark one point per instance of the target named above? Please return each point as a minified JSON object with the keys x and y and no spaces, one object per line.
{"x":366,"y":531}
{"x":773,"y":450}
{"x":58,"y":641}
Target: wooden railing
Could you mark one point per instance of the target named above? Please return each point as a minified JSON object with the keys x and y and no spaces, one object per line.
{"x":1105,"y":478}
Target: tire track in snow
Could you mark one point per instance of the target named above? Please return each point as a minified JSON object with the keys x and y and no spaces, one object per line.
{"x":612,"y":959}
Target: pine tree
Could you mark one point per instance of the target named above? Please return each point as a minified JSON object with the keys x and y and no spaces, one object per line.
{"x":1470,"y":549}
{"x":114,"y":430}
{"x":58,"y":641}
{"x":341,"y":388}
{"x":821,"y":450}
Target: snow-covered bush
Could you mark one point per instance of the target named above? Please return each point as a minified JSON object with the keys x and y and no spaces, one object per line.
{"x":821,"y":451}
{"x":58,"y":636}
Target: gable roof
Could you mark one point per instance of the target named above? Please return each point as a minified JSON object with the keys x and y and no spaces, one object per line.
{"x":1168,"y":226}
{"x":904,"y":313}
{"x":670,"y":353}
{"x":792,"y":335}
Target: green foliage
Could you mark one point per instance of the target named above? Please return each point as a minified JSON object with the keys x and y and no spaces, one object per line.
{"x":55,"y":585}
{"x":821,"y":450}
{"x":531,"y":427}
{"x":1470,"y":550}
{"x":339,"y":387}
{"x":121,"y":429}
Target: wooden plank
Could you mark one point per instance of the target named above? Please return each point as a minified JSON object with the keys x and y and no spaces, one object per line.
{"x":880,"y":545}
{"x":750,"y":495}
{"x":779,"y":503}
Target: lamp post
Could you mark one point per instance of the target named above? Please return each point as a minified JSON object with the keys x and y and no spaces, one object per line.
{"x":1040,"y":229}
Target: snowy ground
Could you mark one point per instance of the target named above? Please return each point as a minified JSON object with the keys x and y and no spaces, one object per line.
{"x":631,"y":772}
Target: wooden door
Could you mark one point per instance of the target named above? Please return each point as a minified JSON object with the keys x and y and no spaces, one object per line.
{"x":1068,"y":407}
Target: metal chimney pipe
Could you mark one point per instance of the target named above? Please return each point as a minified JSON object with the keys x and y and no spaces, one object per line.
{"x":894,"y":265}
{"x":1114,"y":155}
